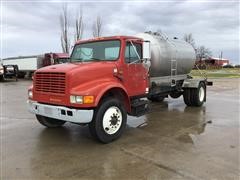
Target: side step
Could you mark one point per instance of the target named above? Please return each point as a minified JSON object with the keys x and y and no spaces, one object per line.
{"x":139,"y":107}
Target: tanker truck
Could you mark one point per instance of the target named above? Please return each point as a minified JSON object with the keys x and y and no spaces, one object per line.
{"x":109,"y":78}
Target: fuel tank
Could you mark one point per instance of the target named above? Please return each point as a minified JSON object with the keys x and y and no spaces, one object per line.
{"x":169,"y":56}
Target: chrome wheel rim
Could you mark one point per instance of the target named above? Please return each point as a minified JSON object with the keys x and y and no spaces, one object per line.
{"x":112,"y":120}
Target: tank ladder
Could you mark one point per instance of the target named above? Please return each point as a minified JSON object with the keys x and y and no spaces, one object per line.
{"x":173,"y":72}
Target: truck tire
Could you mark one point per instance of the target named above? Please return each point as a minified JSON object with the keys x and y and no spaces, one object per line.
{"x":195,"y":96}
{"x":187,"y":96}
{"x":156,"y":98}
{"x":3,"y":78}
{"x":109,"y":121}
{"x":49,"y":122}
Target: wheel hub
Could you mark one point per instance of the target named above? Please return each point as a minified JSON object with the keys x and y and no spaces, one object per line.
{"x":112,"y":120}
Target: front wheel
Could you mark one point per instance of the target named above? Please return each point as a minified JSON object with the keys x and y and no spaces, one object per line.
{"x":49,"y":122}
{"x":109,"y":121}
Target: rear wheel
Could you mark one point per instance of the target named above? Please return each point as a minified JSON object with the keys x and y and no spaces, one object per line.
{"x":49,"y":122}
{"x":187,"y":97}
{"x":195,"y":96}
{"x":109,"y":121}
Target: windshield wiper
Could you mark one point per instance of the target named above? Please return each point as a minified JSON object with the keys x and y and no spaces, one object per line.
{"x":93,"y":59}
{"x":96,"y":59}
{"x":87,"y":60}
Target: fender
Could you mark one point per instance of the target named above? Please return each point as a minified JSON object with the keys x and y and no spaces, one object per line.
{"x":192,"y":83}
{"x":98,"y":88}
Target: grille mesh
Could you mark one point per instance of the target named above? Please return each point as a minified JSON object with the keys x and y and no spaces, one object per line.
{"x":50,"y":82}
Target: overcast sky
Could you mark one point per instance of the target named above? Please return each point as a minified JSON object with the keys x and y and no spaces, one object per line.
{"x":31,"y":28}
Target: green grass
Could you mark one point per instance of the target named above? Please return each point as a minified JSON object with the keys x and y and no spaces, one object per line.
{"x":218,"y":73}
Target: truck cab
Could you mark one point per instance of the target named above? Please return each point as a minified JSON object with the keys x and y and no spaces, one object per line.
{"x":54,"y":58}
{"x":102,"y":83}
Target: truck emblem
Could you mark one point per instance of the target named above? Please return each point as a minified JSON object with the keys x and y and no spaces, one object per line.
{"x":56,"y":100}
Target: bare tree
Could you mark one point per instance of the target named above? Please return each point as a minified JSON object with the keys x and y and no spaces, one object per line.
{"x":64,"y":24}
{"x":203,"y":52}
{"x":79,"y":26}
{"x":97,"y":27}
{"x":189,"y":39}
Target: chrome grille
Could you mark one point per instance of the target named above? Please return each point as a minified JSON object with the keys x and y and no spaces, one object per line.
{"x":50,"y":82}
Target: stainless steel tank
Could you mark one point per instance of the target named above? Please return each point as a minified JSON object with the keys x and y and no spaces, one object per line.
{"x":167,"y":55}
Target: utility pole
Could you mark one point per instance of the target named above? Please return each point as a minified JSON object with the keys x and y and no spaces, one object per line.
{"x":221,"y":55}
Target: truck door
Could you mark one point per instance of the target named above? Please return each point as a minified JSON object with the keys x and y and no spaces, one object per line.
{"x":136,"y":78}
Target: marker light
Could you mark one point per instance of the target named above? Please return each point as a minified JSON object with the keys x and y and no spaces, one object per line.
{"x":30,"y":94}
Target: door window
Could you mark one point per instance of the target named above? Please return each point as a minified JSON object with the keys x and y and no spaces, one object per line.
{"x":132,"y":54}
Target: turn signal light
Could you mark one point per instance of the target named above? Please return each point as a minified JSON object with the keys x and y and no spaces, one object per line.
{"x":88,"y":99}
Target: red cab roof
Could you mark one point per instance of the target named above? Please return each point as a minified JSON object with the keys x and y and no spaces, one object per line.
{"x":108,"y":38}
{"x":58,"y":55}
{"x":61,"y":55}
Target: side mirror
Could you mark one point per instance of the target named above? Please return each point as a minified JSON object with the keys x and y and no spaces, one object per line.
{"x":146,"y":50}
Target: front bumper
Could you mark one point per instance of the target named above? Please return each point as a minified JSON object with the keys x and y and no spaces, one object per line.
{"x":61,"y":112}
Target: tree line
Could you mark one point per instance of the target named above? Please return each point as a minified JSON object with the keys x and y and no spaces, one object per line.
{"x":201,"y":51}
{"x":78,"y":27}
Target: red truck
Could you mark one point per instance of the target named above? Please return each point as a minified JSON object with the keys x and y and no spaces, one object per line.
{"x":28,"y":64}
{"x":111,"y":77}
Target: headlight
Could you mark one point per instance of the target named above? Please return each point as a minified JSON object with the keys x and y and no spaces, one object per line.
{"x":76,"y":99}
{"x":30,"y":94}
{"x":81,"y":99}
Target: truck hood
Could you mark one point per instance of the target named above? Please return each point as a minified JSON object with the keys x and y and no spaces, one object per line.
{"x":78,"y":73}
{"x":72,"y":67}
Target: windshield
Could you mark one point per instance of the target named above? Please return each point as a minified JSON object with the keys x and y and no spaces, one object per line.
{"x":96,"y":51}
